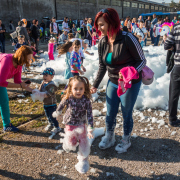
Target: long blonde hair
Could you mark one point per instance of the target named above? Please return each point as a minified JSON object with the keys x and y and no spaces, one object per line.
{"x":83,"y":79}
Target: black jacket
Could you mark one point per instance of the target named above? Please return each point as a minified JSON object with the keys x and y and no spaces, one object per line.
{"x":35,"y":32}
{"x":2,"y":35}
{"x":124,"y":54}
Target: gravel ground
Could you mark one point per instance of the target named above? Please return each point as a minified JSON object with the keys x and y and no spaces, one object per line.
{"x":154,"y":153}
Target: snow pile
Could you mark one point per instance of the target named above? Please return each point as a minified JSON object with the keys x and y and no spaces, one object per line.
{"x":153,"y":96}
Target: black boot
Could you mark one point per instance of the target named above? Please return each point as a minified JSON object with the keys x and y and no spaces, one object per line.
{"x":175,"y":123}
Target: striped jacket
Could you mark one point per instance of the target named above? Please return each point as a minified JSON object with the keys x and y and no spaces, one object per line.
{"x":125,"y":53}
{"x":174,"y":40}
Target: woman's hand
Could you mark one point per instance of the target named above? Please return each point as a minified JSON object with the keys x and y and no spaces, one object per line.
{"x":120,"y":75}
{"x":93,"y":90}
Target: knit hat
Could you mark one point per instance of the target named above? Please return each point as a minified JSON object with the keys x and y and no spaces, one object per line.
{"x":49,"y":71}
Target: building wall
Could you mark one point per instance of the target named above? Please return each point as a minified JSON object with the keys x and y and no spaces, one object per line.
{"x":76,"y":9}
{"x":29,"y":9}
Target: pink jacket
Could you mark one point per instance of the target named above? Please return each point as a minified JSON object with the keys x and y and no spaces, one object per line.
{"x":8,"y":71}
{"x":129,"y":73}
{"x":50,"y":51}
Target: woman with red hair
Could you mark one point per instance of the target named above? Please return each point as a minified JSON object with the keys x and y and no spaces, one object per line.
{"x":117,"y":49}
{"x":11,"y":67}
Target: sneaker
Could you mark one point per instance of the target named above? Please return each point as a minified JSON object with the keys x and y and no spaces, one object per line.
{"x":48,"y":127}
{"x":175,"y":123}
{"x":10,"y":128}
{"x":82,"y":166}
{"x":124,"y":145}
{"x":108,"y":140}
{"x":55,"y":130}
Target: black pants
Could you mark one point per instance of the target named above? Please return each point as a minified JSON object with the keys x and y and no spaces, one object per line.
{"x":174,"y":92}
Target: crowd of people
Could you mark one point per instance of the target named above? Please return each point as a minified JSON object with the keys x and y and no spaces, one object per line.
{"x":120,"y":53}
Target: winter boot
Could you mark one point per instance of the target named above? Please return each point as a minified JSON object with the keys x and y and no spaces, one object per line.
{"x":124,"y":144}
{"x":108,"y":140}
{"x":82,"y":166}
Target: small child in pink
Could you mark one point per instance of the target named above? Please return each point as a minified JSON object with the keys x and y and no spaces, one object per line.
{"x":51,"y":49}
{"x":94,"y":38}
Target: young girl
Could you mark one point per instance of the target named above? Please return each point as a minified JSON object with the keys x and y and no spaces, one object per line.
{"x":76,"y":63}
{"x":51,"y":49}
{"x":67,"y":48}
{"x":78,"y":111}
{"x":94,"y":38}
{"x":21,"y":42}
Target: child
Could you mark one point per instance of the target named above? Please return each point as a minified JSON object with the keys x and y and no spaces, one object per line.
{"x":76,"y":63}
{"x":51,"y":49}
{"x":21,"y":42}
{"x":94,"y":38}
{"x":67,"y":48}
{"x":164,"y":39}
{"x":78,"y":111}
{"x":47,"y":91}
{"x":140,"y":40}
{"x":78,"y":35}
{"x":86,"y":42}
{"x":74,"y":29}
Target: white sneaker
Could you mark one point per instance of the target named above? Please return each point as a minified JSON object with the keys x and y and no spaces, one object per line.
{"x":55,"y":130}
{"x":124,"y":145}
{"x":82,"y":166}
{"x":48,"y":127}
{"x":108,"y":140}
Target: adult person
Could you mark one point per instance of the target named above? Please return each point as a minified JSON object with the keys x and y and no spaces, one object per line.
{"x":156,"y":29}
{"x":89,"y":31}
{"x":2,"y":37}
{"x":35,"y":33}
{"x":140,"y":19}
{"x":78,"y":23}
{"x":11,"y":66}
{"x":148,"y":23}
{"x":174,"y":20}
{"x":174,"y":87}
{"x":134,"y":25}
{"x":84,"y":25}
{"x":142,"y":32}
{"x":117,"y":49}
{"x":70,"y":24}
{"x":153,"y":22}
{"x":21,"y":30}
{"x":65,"y":25}
{"x":11,"y":27}
{"x":125,"y":24}
{"x":54,"y":28}
{"x":63,"y":37}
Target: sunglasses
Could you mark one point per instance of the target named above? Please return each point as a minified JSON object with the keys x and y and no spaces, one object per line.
{"x":104,"y":11}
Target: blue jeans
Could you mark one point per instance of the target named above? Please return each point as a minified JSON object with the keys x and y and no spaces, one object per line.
{"x":151,"y":35}
{"x":156,"y":40}
{"x":49,"y":111}
{"x":127,"y":101}
{"x":145,"y":41}
{"x":2,"y":45}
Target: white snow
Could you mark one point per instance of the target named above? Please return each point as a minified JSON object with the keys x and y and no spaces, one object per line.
{"x":173,"y":133}
{"x":152,"y":96}
{"x":134,"y":135}
{"x":96,"y":112}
